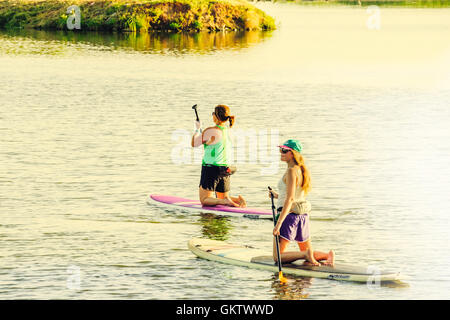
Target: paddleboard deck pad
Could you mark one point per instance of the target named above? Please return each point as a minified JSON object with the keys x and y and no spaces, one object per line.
{"x":219,"y":209}
{"x":254,"y":258}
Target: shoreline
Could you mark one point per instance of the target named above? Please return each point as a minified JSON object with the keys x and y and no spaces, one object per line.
{"x":193,"y":16}
{"x":436,"y":4}
{"x":134,"y":15}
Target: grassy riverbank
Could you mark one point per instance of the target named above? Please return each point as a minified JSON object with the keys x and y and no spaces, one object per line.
{"x":380,"y":3}
{"x":136,"y":15}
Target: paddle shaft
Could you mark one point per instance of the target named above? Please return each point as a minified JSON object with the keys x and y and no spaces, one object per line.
{"x":277,"y":238}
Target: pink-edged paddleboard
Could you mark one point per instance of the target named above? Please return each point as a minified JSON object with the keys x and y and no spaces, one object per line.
{"x":219,"y":209}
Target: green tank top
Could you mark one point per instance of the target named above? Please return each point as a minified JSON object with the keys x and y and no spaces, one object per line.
{"x":218,"y":154}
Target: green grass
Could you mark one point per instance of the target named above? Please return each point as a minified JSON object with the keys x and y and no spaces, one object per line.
{"x":136,"y":15}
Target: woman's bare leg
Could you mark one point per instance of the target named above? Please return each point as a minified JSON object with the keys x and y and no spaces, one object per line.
{"x":318,"y":255}
{"x":291,"y":255}
{"x":207,"y":198}
{"x":239,"y":199}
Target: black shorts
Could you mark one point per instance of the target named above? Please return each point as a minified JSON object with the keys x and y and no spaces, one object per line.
{"x":212,"y":180}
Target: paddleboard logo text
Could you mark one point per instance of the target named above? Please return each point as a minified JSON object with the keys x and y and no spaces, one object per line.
{"x":338,"y":276}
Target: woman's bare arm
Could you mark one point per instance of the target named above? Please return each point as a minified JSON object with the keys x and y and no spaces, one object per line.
{"x":209,"y":136}
{"x":290,"y":192}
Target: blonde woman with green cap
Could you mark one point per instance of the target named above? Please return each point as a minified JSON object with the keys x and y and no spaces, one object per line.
{"x":292,"y":221}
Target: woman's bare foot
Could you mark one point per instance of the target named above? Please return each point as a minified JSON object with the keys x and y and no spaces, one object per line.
{"x":310,"y":258}
{"x":230,"y":203}
{"x":330,"y":259}
{"x":242,"y":202}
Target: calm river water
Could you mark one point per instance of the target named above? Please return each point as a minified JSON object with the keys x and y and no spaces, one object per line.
{"x":91,"y":124}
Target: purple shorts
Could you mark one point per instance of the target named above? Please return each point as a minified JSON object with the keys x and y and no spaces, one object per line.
{"x":295,"y":227}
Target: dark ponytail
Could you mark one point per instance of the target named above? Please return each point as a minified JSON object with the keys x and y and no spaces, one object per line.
{"x":223,"y":114}
{"x":231,"y":119}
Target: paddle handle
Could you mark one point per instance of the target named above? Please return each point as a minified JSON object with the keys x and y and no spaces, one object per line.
{"x":195,"y":109}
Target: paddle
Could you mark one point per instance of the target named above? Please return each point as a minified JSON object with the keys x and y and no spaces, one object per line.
{"x":195,"y":109}
{"x":277,"y":240}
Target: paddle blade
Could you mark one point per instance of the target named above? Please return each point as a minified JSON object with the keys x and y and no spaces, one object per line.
{"x":281,"y":277}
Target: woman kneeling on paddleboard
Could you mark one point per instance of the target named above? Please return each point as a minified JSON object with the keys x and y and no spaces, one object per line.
{"x":293,"y":209}
{"x":215,"y":176}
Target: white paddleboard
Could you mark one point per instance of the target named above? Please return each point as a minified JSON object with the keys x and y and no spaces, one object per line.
{"x":254,"y":258}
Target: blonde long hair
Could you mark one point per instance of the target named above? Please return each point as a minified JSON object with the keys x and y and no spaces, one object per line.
{"x":306,"y":181}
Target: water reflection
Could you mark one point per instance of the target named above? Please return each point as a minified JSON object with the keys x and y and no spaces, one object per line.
{"x":156,"y":42}
{"x":294,"y":289}
{"x":215,"y":227}
{"x":395,"y":284}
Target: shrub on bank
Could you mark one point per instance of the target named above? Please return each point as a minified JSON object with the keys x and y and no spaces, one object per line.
{"x":136,"y":15}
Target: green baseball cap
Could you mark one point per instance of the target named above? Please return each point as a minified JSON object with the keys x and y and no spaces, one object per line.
{"x":292,"y":144}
